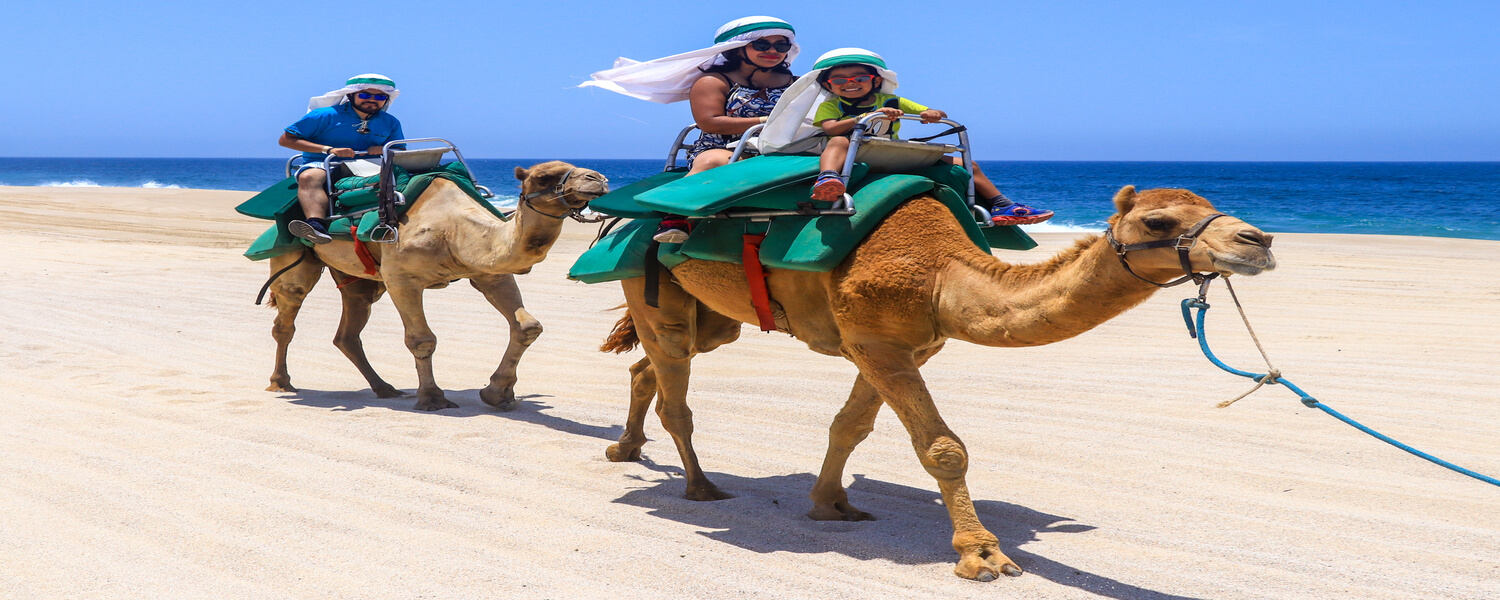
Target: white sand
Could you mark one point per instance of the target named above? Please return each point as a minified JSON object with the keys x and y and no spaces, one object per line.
{"x":140,"y":458}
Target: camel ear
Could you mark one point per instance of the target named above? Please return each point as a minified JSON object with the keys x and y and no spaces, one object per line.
{"x":1125,"y":199}
{"x":521,"y":174}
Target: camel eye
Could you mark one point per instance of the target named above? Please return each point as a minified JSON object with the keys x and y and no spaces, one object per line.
{"x":1158,"y":223}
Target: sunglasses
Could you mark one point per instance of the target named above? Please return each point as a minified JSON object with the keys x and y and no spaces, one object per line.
{"x":368,"y":95}
{"x":763,"y":45}
{"x":848,"y":80}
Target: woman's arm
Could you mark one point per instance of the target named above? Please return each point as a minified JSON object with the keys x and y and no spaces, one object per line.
{"x":707,"y":98}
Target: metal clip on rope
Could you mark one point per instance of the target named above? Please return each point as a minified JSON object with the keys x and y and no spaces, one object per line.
{"x":1273,"y":377}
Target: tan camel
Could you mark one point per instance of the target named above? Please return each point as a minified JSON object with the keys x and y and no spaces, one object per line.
{"x":915,"y":282}
{"x":444,"y":237}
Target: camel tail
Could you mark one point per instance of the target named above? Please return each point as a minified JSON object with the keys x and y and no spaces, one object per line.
{"x":623,"y":339}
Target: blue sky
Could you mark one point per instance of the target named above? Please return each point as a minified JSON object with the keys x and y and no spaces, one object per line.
{"x":1035,"y":81}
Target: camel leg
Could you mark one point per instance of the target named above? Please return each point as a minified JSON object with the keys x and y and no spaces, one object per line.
{"x":505,"y":296}
{"x":287,"y":294}
{"x":642,"y":391}
{"x":852,"y":425}
{"x":420,"y":340}
{"x":666,"y":335}
{"x":358,"y":296}
{"x":892,"y":370}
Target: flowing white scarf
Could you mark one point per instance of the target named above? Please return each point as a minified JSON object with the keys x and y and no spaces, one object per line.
{"x":791,"y":121}
{"x":355,"y":84}
{"x":667,"y":80}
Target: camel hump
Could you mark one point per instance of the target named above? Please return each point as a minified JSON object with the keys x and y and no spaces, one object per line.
{"x":623,"y":338}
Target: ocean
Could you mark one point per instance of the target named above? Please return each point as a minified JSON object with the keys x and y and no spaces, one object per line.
{"x":1460,"y":200}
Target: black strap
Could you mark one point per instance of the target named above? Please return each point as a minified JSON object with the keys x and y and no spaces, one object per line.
{"x":653,"y":275}
{"x":950,"y":131}
{"x":267,"y":286}
{"x":605,"y":226}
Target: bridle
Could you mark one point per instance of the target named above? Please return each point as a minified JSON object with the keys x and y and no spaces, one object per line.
{"x":557,"y":190}
{"x":1183,"y":243}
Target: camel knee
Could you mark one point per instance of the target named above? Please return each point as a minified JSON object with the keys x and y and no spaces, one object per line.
{"x":421,"y":347}
{"x":674,"y":339}
{"x":946,"y":458}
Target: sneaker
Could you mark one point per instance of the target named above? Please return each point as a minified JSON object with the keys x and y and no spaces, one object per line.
{"x":1018,"y":214}
{"x":828,"y":188}
{"x":673,"y":230}
{"x":310,"y":230}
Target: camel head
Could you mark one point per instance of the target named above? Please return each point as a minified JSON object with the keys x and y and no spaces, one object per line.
{"x":558,"y":188}
{"x":1226,"y":246}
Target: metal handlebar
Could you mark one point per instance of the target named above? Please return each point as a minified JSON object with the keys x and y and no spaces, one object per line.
{"x":859,"y":135}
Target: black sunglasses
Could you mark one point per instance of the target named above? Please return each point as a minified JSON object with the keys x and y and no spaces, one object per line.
{"x":368,"y":95}
{"x":763,"y":45}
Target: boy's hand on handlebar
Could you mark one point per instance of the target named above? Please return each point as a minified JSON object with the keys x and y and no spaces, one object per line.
{"x":343,"y":152}
{"x":374,"y":150}
{"x":891,"y":114}
{"x":932,"y":115}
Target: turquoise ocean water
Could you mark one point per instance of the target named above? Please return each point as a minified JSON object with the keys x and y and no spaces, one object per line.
{"x":1426,"y":199}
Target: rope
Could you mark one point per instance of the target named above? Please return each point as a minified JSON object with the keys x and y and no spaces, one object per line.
{"x":1273,"y":376}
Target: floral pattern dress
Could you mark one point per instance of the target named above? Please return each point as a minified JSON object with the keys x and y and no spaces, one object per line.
{"x":741,"y":102}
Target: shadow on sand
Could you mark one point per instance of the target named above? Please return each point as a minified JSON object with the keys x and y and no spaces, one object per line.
{"x":768,"y":515}
{"x":527,"y":410}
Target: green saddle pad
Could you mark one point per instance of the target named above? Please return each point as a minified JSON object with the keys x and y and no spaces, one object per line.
{"x":774,"y":182}
{"x":621,"y":202}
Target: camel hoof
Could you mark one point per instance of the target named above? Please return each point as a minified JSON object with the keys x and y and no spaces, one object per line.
{"x":1010,"y":570}
{"x":439,"y":403}
{"x":503,"y":400}
{"x":386,"y":390}
{"x":615,"y":454}
{"x":839,"y":513}
{"x":280,"y":387}
{"x":707,"y":494}
{"x":529,"y":335}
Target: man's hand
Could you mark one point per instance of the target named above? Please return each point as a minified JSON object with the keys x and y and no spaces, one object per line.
{"x":891,"y":114}
{"x":342,"y":152}
{"x":933,"y":115}
{"x":375,"y":150}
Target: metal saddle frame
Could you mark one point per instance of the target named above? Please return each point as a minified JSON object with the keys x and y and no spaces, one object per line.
{"x":388,"y":197}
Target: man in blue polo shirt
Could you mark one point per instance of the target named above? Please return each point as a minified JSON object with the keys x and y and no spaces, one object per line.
{"x":344,"y":122}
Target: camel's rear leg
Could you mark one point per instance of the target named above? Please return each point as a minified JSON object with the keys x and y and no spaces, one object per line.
{"x":287,"y":293}
{"x":891,"y":368}
{"x":852,"y":425}
{"x":358,"y":295}
{"x":420,"y":340}
{"x":505,"y":296}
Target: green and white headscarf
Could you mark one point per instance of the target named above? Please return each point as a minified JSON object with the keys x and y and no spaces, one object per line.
{"x":355,"y":84}
{"x":669,"y":79}
{"x":792,"y":119}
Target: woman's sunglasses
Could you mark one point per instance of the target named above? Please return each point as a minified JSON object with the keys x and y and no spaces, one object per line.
{"x":848,"y":80}
{"x":763,"y":45}
{"x":368,"y":95}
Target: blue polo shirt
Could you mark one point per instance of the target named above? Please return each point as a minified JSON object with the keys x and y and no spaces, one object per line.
{"x":338,"y":126}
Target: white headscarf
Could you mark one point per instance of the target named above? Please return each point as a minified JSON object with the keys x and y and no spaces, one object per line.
{"x":355,"y":84}
{"x":669,"y":79}
{"x":792,"y":119}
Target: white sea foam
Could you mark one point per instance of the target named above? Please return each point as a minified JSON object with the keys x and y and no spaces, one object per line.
{"x":163,"y":186}
{"x":74,"y":183}
{"x":1051,"y":227}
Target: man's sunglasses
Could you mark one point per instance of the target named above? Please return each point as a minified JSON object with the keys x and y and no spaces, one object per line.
{"x":763,"y":45}
{"x":848,"y":80}
{"x":368,"y":95}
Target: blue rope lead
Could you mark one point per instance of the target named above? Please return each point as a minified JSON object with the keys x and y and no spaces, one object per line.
{"x":1275,"y":378}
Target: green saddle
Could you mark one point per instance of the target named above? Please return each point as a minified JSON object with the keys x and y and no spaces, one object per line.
{"x":279,"y":203}
{"x":801,"y":243}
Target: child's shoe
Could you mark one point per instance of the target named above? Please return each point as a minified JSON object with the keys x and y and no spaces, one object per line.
{"x":1018,"y":214}
{"x":312,"y":230}
{"x":828,"y":188}
{"x":672,"y":230}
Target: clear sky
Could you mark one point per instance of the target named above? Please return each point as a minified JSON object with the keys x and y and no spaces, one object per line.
{"x":1061,"y":80}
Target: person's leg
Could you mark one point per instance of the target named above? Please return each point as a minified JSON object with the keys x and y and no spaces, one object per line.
{"x":1002,"y":210}
{"x":829,"y":186}
{"x":312,"y":195}
{"x":708,"y":159}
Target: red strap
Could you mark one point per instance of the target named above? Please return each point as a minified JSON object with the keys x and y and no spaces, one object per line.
{"x":365,"y":257}
{"x":760,"y":297}
{"x":348,"y":279}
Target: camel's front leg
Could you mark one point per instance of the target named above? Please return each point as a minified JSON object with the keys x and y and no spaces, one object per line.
{"x":358,"y":296}
{"x":406,"y":294}
{"x":852,"y":425}
{"x":287,"y":293}
{"x":892,"y":370}
{"x":505,"y":296}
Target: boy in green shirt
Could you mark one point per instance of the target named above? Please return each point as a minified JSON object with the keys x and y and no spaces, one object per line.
{"x":855,"y":88}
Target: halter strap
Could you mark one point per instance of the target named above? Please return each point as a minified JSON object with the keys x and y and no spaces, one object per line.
{"x":1183,"y":243}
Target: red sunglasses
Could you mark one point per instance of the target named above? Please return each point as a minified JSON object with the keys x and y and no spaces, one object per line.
{"x":854,"y":79}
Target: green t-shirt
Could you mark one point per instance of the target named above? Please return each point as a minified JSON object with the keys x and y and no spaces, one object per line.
{"x":837,"y":108}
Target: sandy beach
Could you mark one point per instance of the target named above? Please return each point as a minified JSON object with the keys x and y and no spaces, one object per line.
{"x":141,"y":458}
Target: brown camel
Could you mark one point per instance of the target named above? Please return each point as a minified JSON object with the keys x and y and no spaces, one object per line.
{"x":444,"y":237}
{"x":915,"y":282}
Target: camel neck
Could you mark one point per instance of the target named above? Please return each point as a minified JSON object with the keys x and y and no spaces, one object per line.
{"x":991,"y":303}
